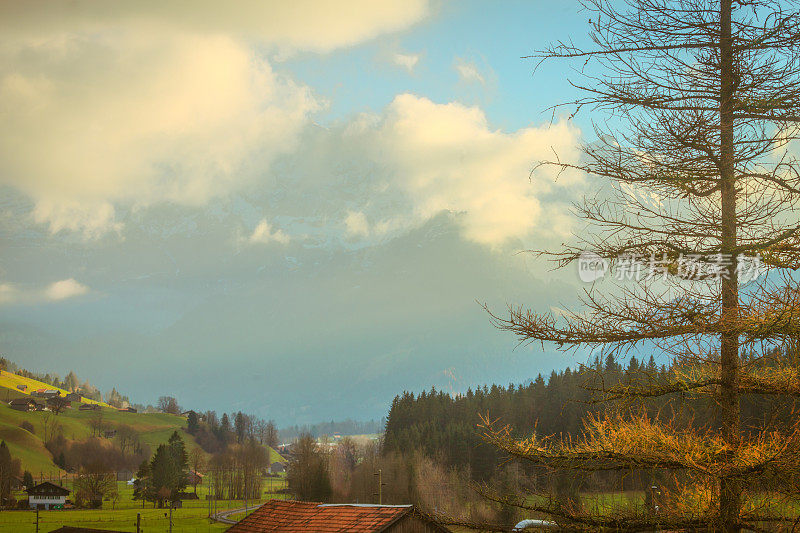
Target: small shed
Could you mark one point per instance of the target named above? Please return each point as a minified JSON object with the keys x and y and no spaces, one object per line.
{"x":73,"y":397}
{"x":47,"y":496}
{"x":89,"y":407}
{"x":277,"y":468}
{"x":286,"y":516}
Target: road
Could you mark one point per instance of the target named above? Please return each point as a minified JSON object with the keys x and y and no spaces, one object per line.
{"x":222,"y":516}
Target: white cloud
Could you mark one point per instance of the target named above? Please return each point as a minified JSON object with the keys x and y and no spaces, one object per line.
{"x":91,"y":122}
{"x":263,"y":234}
{"x":468,"y":72}
{"x":385,"y":173}
{"x":134,"y":103}
{"x":357,"y":224}
{"x":446,"y":157}
{"x":314,"y":25}
{"x":406,"y":61}
{"x":60,"y":290}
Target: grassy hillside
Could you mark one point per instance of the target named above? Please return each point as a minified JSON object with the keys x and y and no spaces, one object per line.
{"x":9,"y":382}
{"x":153,"y":428}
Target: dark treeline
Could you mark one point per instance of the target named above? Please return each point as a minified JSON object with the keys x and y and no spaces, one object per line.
{"x":445,"y":427}
{"x":214,"y":433}
{"x":345,"y":427}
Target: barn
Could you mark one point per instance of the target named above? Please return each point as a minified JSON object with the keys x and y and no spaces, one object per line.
{"x":286,"y":516}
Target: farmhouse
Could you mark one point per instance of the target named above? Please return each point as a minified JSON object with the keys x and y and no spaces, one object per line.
{"x":277,"y":468}
{"x":286,"y":516}
{"x":73,"y":397}
{"x":194,"y":478}
{"x":89,"y":407}
{"x":46,"y":393}
{"x":128,"y":410}
{"x":46,"y":496}
{"x":24,"y":404}
{"x":22,"y":387}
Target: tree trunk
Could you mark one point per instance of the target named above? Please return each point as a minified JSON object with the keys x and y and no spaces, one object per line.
{"x":730,"y":490}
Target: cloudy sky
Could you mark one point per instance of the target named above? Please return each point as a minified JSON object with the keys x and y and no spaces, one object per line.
{"x":286,"y":208}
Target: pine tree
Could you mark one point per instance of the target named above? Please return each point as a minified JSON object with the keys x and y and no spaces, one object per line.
{"x":704,"y":97}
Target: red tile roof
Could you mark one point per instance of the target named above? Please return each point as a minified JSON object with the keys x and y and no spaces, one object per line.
{"x":286,"y":516}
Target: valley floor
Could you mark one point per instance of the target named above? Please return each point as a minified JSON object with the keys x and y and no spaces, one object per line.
{"x":192,"y":518}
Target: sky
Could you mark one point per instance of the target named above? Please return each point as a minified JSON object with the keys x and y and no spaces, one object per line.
{"x":289,"y":209}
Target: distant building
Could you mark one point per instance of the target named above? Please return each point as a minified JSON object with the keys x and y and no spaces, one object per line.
{"x":73,"y":397}
{"x":128,"y":410}
{"x":292,"y":516}
{"x":89,"y":407}
{"x":24,"y":404}
{"x":110,"y":434}
{"x":277,"y":468}
{"x":124,"y":475}
{"x":45,"y":393}
{"x":194,"y":478}
{"x":22,"y":387}
{"x":47,"y":496}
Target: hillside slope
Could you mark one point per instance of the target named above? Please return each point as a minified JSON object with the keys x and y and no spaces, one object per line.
{"x":9,"y":383}
{"x":153,"y":428}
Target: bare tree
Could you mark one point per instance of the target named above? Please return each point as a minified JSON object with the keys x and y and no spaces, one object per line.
{"x":127,"y":438}
{"x":57,"y":404}
{"x":93,"y":484}
{"x":197,"y":462}
{"x":97,"y":423}
{"x":704,"y":96}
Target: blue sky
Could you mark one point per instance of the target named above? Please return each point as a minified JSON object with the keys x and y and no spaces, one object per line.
{"x":291,"y":210}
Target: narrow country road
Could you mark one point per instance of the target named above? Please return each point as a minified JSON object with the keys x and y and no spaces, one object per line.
{"x":222,"y":516}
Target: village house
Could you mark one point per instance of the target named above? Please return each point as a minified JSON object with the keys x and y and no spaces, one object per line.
{"x":128,"y":410}
{"x":277,"y":468}
{"x":47,"y":496}
{"x":25,"y":404}
{"x":45,"y":393}
{"x":194,"y":478}
{"x":89,"y":407}
{"x":22,"y":387}
{"x":73,"y":397}
{"x":286,"y":516}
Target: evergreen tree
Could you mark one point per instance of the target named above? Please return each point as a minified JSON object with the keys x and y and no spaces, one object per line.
{"x":169,"y":470}
{"x":705,"y":96}
{"x":192,"y":423}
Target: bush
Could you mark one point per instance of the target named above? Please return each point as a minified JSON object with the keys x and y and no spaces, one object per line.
{"x":27,"y":426}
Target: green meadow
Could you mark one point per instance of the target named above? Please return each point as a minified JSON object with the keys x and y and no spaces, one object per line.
{"x":120,"y":515}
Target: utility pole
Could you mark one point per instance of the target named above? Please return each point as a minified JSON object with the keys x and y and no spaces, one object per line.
{"x":381,"y":484}
{"x":170,"y":516}
{"x":138,"y":522}
{"x":37,"y":518}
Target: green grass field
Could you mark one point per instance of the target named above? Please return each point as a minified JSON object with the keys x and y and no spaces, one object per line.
{"x":10,"y":381}
{"x":153,"y":428}
{"x":192,"y":518}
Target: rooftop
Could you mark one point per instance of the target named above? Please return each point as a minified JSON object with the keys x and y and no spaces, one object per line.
{"x":287,"y":516}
